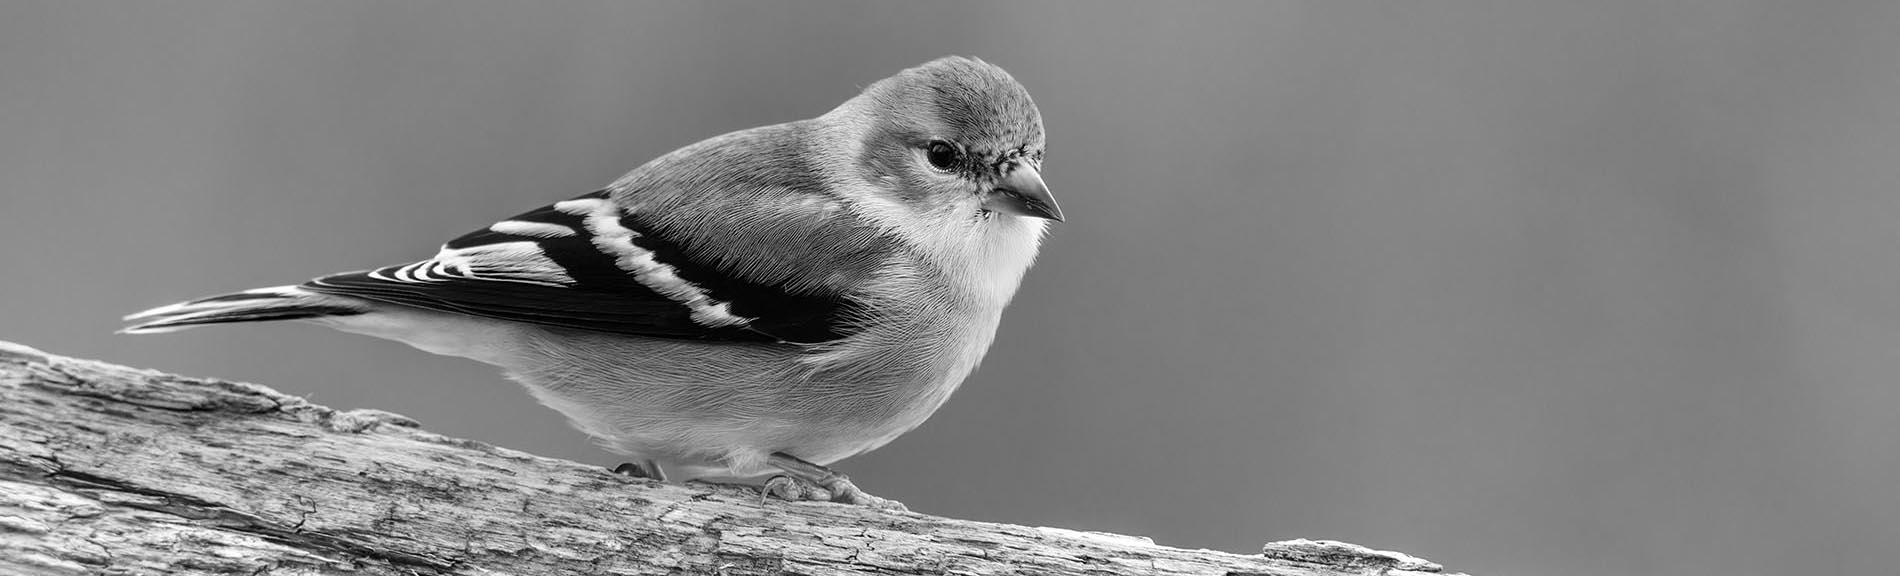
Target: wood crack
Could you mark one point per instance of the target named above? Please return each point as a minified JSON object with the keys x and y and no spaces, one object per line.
{"x":190,"y":508}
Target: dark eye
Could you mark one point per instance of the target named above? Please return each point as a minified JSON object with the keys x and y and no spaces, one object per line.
{"x":942,"y":155}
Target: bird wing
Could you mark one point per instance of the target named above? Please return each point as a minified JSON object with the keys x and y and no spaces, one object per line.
{"x":648,"y":269}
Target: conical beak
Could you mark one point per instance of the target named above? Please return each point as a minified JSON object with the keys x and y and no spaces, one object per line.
{"x":1022,"y":193}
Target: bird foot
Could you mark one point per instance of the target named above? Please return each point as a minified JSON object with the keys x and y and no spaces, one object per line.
{"x":838,"y":489}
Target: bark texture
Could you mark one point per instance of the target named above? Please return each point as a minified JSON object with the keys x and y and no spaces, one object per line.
{"x":106,"y":469}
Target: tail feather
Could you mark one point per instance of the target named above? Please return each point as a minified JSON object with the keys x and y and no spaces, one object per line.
{"x":275,"y":303}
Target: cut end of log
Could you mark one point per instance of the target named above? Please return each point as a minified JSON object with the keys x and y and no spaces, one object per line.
{"x":1348,"y":556}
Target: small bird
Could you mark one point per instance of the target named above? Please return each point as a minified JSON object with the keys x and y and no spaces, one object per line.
{"x":773,"y":299}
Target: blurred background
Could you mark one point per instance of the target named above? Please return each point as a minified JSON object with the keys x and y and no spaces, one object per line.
{"x":1525,"y":287}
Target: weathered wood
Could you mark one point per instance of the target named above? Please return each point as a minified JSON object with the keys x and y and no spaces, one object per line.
{"x":115,"y":470}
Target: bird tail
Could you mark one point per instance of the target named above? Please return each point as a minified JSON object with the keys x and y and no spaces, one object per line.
{"x":256,"y":305}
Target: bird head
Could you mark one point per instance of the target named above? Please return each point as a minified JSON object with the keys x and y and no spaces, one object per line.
{"x":956,"y":136}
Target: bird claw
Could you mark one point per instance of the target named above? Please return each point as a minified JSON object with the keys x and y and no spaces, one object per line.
{"x":648,"y":470}
{"x":790,"y":489}
{"x":841,"y":490}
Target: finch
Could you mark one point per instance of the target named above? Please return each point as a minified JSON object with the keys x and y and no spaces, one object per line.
{"x":771,"y":300}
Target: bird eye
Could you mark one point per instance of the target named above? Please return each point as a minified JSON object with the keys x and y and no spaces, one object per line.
{"x":942,"y":155}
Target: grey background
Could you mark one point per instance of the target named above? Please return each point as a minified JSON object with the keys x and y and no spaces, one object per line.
{"x":1523,"y":287}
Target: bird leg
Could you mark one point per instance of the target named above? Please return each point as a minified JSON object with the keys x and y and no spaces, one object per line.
{"x":647,"y":469}
{"x":807,"y":481}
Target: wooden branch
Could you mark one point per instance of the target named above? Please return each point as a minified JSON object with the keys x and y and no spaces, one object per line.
{"x":112,"y":470}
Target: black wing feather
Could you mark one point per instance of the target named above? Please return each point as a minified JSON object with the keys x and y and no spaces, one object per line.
{"x":596,"y":294}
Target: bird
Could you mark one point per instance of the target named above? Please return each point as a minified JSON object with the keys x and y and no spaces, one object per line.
{"x":768,"y":301}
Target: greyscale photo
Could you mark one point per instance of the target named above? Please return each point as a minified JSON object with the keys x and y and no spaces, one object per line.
{"x":850,"y":287}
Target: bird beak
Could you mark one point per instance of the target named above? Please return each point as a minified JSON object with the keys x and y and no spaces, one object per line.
{"x":1022,"y":193}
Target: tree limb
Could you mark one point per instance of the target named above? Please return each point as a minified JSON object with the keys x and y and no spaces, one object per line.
{"x":115,"y":470}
